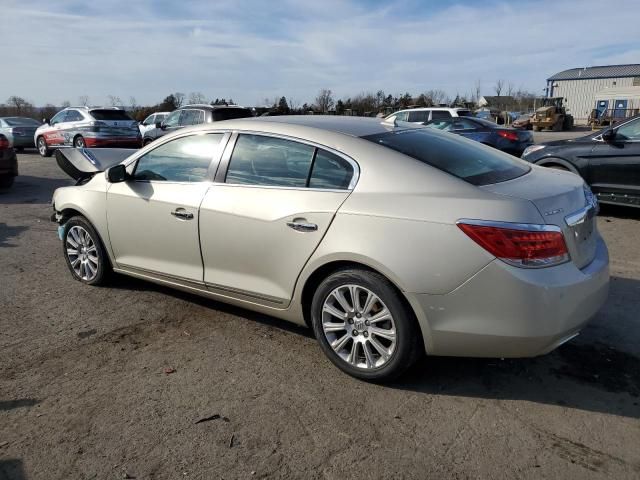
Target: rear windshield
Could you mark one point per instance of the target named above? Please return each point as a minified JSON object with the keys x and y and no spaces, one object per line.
{"x":230,"y":113}
{"x":110,"y":115}
{"x":21,"y":122}
{"x":465,"y":113}
{"x":459,"y":157}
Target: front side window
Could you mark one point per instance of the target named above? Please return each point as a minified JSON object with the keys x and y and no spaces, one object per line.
{"x":192,"y":117}
{"x":458,"y":157}
{"x":629,"y":131}
{"x":173,"y":120}
{"x":402,"y":116}
{"x":73,"y":116}
{"x":185,"y":159}
{"x":261,"y":160}
{"x":150,"y":120}
{"x":59,"y":117}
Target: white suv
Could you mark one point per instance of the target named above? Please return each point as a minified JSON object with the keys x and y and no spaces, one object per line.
{"x":422,"y":115}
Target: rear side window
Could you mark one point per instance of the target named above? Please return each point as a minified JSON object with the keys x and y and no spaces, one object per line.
{"x":110,"y":115}
{"x":185,"y":159}
{"x":73,"y":116}
{"x":440,"y":114}
{"x":465,"y":113}
{"x":330,"y":171}
{"x":459,"y":157}
{"x":419,"y":116}
{"x":230,"y":113}
{"x":261,"y":160}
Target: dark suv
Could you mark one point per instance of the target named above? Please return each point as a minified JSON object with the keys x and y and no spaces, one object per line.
{"x":195,"y":115}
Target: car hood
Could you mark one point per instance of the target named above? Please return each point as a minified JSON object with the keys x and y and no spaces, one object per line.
{"x":81,"y":163}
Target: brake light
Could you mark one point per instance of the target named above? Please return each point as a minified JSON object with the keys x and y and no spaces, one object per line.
{"x":521,"y":245}
{"x":95,"y":125}
{"x":4,"y":142}
{"x":509,"y":135}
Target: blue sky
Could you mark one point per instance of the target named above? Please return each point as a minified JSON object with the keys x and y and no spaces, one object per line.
{"x":250,"y":50}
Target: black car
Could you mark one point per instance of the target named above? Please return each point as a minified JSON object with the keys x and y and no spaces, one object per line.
{"x":503,"y":138}
{"x":8,"y":163}
{"x":608,"y":160}
{"x":190,"y":115}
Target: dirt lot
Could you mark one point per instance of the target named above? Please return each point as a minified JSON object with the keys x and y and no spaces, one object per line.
{"x":84,"y":393}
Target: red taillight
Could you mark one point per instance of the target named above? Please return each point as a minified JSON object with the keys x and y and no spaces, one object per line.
{"x":4,"y":143}
{"x":509,"y":135}
{"x":524,"y":246}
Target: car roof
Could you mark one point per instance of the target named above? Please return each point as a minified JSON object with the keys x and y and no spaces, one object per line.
{"x":424,"y":109}
{"x":206,"y":106}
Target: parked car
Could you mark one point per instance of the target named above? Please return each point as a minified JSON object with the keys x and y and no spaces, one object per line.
{"x":8,"y":163}
{"x":422,"y":115}
{"x":503,"y":138}
{"x":82,"y":127}
{"x":387,"y":240}
{"x":19,"y":131}
{"x":191,"y":115}
{"x":149,"y":123}
{"x":608,"y":160}
{"x":523,"y":122}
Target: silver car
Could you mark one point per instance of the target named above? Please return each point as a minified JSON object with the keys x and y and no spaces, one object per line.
{"x":389,"y":241}
{"x":19,"y":131}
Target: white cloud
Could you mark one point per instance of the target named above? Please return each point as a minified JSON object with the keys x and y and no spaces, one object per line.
{"x":251,"y":50}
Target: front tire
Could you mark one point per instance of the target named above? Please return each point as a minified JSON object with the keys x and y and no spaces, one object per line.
{"x":363,"y":326}
{"x":84,"y":253}
{"x":43,"y":150}
{"x":78,"y":142}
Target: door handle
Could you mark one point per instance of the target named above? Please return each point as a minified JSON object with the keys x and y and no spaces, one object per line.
{"x":182,"y":214}
{"x":301,"y":225}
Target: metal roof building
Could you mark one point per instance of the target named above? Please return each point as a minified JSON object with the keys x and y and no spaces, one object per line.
{"x":580,"y":86}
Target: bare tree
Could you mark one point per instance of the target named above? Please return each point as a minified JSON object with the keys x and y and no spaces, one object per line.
{"x":66,"y":104}
{"x":498,"y":87}
{"x":294,"y":104}
{"x":83,"y":100}
{"x":478,"y":89}
{"x":179,"y":99}
{"x":436,"y":97}
{"x":114,"y":100}
{"x":133,"y":103}
{"x":196,"y":97}
{"x":324,"y":100}
{"x":510,"y":89}
{"x":19,"y":104}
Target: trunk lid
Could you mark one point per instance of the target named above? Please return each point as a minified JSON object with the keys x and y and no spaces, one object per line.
{"x":561,"y":199}
{"x":80,"y":163}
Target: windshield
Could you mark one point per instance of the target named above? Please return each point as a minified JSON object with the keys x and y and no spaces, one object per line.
{"x":21,"y":122}
{"x":110,"y":115}
{"x":461,"y":158}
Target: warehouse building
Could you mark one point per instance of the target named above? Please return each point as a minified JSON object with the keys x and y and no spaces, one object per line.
{"x":581,"y":86}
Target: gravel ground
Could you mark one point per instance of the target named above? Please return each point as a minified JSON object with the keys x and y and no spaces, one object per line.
{"x":85,"y":391}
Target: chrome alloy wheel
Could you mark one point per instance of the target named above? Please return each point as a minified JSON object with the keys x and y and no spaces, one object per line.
{"x":82,"y":253}
{"x":42,"y":146}
{"x":358,"y":326}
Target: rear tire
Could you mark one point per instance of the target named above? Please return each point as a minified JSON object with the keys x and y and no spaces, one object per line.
{"x":43,"y":149}
{"x":358,"y":336}
{"x":84,"y":253}
{"x":146,"y":142}
{"x":78,"y":142}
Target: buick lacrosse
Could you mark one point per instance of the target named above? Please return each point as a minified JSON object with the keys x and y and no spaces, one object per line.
{"x":387,"y":239}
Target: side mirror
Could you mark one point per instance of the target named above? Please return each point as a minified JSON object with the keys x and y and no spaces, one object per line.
{"x":609,"y":135}
{"x":46,"y":120}
{"x":117,"y":174}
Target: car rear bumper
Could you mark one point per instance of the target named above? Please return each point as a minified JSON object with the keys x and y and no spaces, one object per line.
{"x":21,"y":141}
{"x":8,"y":162}
{"x":505,"y":311}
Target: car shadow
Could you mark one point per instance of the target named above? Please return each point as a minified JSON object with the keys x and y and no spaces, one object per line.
{"x":12,"y":469}
{"x":29,"y":189}
{"x":18,"y":403}
{"x":588,"y":373}
{"x":619,"y":211}
{"x":8,"y":232}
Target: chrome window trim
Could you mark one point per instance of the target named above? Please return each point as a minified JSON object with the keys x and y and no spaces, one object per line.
{"x":352,"y":183}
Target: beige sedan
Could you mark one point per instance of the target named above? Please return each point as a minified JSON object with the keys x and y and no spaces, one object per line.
{"x":388,"y":240}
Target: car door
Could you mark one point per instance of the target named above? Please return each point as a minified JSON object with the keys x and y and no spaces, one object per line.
{"x":614,"y":166}
{"x":73,"y":122}
{"x":54,"y":135}
{"x":270,"y":210}
{"x":153,"y":216}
